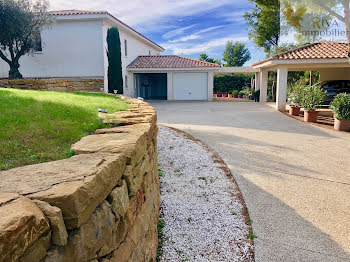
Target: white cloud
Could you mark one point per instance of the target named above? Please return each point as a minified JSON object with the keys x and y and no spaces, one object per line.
{"x":143,"y":12}
{"x":176,"y":32}
{"x":206,"y":47}
{"x":195,"y":35}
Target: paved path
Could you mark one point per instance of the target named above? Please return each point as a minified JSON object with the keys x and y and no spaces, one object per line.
{"x":295,"y":178}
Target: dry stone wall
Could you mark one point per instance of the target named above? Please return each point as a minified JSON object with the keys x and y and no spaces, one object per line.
{"x":101,"y":205}
{"x":56,"y":84}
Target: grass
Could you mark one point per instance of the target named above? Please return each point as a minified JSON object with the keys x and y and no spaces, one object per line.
{"x":160,"y":227}
{"x":41,"y":126}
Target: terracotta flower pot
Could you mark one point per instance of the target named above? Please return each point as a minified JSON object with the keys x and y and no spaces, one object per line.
{"x":341,"y":124}
{"x":224,"y":95}
{"x":235,"y":96}
{"x":229,"y":95}
{"x":294,"y":110}
{"x":310,"y":116}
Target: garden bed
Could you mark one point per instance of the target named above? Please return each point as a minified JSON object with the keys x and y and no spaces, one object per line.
{"x":203,"y":216}
{"x":41,"y":126}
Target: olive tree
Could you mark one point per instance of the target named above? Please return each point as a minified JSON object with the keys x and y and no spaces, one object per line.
{"x":21,"y":22}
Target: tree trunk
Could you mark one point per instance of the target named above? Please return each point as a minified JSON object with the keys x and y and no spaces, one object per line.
{"x":14,"y":72}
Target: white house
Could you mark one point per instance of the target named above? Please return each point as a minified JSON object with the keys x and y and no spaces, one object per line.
{"x":75,"y":47}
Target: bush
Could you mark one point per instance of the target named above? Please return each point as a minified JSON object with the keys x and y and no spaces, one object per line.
{"x":312,"y":98}
{"x":341,"y":106}
{"x":241,"y":93}
{"x":226,"y":82}
{"x":235,"y":92}
{"x":295,"y":93}
{"x":115,"y":78}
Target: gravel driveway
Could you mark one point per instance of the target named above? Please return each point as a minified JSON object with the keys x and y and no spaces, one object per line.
{"x":294,"y":177}
{"x":201,"y":206}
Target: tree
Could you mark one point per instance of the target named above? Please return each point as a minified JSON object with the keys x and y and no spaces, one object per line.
{"x":339,"y":9}
{"x":236,"y":54}
{"x":115,"y":77}
{"x":21,"y":22}
{"x":206,"y":58}
{"x":264,"y":23}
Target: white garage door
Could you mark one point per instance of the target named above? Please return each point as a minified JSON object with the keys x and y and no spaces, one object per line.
{"x":190,"y":86}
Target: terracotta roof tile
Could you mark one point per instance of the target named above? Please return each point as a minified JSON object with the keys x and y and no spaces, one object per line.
{"x":86,"y":12}
{"x":326,"y":50}
{"x":169,"y":61}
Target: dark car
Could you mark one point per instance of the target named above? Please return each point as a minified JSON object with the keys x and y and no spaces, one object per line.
{"x":333,"y":88}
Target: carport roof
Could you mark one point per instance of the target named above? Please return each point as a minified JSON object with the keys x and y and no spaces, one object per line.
{"x":169,"y":62}
{"x":326,"y":50}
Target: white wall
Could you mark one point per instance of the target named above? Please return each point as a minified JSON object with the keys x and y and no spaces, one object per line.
{"x":334,"y":74}
{"x":135,"y":48}
{"x":70,"y":49}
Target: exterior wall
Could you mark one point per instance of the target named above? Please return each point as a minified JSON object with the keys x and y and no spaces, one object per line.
{"x":170,"y":81}
{"x":56,"y":84}
{"x":334,"y":74}
{"x":70,"y":49}
{"x":92,"y":207}
{"x":135,"y":48}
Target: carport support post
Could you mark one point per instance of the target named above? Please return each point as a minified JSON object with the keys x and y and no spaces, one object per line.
{"x":210,"y":86}
{"x":263,"y":79}
{"x":282,"y":77}
{"x":257,"y":81}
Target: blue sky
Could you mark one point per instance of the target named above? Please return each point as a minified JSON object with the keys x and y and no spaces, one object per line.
{"x":182,"y":27}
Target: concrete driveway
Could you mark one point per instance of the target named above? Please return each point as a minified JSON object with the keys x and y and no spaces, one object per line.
{"x":294,"y":177}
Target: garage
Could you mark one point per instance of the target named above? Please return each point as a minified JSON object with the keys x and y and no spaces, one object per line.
{"x":190,"y":86}
{"x":171,"y":77}
{"x":151,"y":86}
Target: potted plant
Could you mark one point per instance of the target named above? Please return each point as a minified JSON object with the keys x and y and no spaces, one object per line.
{"x":224,"y":94}
{"x":235,"y":93}
{"x":230,"y":94}
{"x":341,"y":108}
{"x":312,"y":98}
{"x":294,"y":94}
{"x":240,"y":94}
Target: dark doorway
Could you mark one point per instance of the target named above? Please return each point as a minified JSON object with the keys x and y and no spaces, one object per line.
{"x":151,"y":86}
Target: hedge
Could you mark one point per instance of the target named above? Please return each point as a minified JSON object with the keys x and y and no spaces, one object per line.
{"x":225,"y":83}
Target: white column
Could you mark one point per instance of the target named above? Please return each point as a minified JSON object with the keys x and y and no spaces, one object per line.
{"x":210,"y":86}
{"x":263,"y":79}
{"x":257,"y":81}
{"x":170,"y":85}
{"x":130,"y":91}
{"x":282,"y":76}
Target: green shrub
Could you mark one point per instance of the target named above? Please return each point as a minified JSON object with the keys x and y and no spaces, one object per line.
{"x":341,"y":106}
{"x":295,"y":93}
{"x":235,"y":92}
{"x":115,"y":78}
{"x":241,"y":93}
{"x":226,"y":82}
{"x":312,"y":98}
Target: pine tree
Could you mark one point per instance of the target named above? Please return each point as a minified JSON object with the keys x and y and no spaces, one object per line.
{"x":115,"y":77}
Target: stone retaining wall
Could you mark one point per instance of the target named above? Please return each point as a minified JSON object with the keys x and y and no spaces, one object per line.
{"x":56,"y":84}
{"x":98,"y":206}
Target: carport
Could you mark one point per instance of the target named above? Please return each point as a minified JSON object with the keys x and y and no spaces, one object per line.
{"x":329,"y":58}
{"x":171,"y":77}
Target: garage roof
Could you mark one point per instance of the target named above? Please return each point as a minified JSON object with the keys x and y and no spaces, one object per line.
{"x":169,"y":61}
{"x":326,"y":50}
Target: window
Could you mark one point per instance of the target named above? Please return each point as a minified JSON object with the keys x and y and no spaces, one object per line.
{"x":126,"y":47}
{"x":149,"y":52}
{"x":37,"y":42}
{"x":126,"y":81}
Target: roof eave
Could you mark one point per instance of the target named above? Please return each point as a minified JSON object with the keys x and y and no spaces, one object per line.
{"x":173,"y":69}
{"x":272,"y":63}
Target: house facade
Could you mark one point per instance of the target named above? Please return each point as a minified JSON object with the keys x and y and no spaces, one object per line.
{"x":75,"y":47}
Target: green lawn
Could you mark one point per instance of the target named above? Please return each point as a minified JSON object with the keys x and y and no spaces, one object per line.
{"x":40,"y":126}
